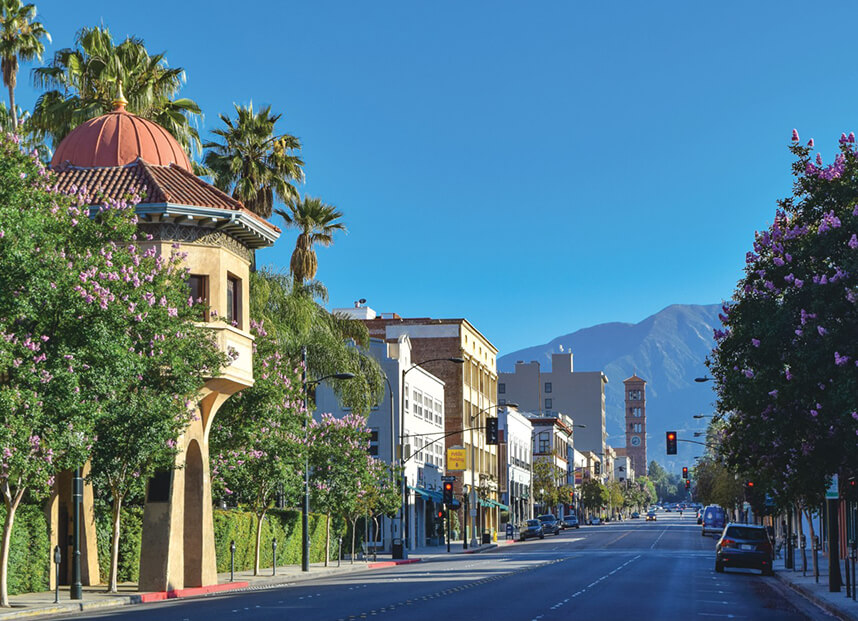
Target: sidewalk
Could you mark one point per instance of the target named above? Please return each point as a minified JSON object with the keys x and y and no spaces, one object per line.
{"x":34,"y":605}
{"x":836,"y":603}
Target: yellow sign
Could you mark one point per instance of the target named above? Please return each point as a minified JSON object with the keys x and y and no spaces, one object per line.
{"x":457,"y":458}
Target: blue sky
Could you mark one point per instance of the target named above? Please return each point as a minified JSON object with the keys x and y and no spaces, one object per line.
{"x":535,"y":169}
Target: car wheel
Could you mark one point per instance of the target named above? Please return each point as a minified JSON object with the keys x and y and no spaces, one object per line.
{"x":576,"y":526}
{"x":542,"y":536}
{"x":719,"y":567}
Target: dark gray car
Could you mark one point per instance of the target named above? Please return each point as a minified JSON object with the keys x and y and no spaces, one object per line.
{"x":744,"y":545}
{"x":550,"y":524}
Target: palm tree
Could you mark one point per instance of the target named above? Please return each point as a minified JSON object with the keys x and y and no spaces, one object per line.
{"x":317,"y":222}
{"x":82,"y":83}
{"x":253,"y":163}
{"x":20,"y":40}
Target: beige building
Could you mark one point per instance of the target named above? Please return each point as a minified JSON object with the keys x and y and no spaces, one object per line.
{"x":119,"y":154}
{"x":470,"y":391}
{"x":579,"y":394}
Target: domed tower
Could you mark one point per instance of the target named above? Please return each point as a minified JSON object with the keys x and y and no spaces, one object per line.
{"x":118,"y":154}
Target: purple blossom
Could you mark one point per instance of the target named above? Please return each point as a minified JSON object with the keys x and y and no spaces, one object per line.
{"x":840,"y":360}
{"x":795,"y":135}
{"x":755,"y":342}
{"x":810,"y":143}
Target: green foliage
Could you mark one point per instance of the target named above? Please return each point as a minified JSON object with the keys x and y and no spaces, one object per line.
{"x":668,"y":486}
{"x":21,"y":39}
{"x":30,"y":555}
{"x":294,"y":319}
{"x":82,"y":84}
{"x":594,"y":494}
{"x":316,"y":222}
{"x":252,"y":162}
{"x":129,"y":542}
{"x":784,"y":365}
{"x":240,"y":526}
{"x":546,"y":490}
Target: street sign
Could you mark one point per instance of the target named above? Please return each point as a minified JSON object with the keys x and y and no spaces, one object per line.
{"x":457,"y":458}
{"x":448,"y":477}
{"x":832,"y":492}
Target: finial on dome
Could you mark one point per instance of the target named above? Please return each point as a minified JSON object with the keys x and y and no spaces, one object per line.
{"x":120,"y":102}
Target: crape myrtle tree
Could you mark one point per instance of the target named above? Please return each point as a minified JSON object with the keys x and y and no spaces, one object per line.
{"x":86,"y":318}
{"x":378,"y":494}
{"x":257,"y":447}
{"x":339,"y":466}
{"x":786,"y":361}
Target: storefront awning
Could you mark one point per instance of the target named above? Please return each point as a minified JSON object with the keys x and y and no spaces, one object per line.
{"x":427,"y":494}
{"x":493,"y":503}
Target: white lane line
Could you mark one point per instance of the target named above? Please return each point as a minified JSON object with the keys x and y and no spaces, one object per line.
{"x":715,"y":614}
{"x":652,"y":547}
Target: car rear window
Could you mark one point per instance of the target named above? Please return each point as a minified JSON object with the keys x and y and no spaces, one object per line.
{"x":533,"y":522}
{"x":748,"y":533}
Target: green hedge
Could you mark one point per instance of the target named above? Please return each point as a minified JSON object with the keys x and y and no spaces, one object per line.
{"x":131,"y":529}
{"x":285,"y":525}
{"x":29,"y":551}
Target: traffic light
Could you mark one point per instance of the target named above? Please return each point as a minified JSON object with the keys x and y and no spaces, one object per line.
{"x":684,"y":473}
{"x":440,"y":514}
{"x":749,"y":484}
{"x":671,"y":442}
{"x":597,"y":468}
{"x":448,"y":493}
{"x":491,"y":431}
{"x":687,"y":484}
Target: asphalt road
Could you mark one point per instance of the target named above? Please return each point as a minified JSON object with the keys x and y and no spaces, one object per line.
{"x":629,"y":570}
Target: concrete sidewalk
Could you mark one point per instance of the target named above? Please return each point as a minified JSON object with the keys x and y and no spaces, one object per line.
{"x":837,"y":604}
{"x":36,"y":605}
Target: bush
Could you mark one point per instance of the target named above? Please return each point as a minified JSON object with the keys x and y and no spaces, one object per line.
{"x":130,"y":533}
{"x":29,"y":551}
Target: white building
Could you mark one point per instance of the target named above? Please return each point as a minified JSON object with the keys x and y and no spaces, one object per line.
{"x":422,"y":434}
{"x":580,"y":394}
{"x":623,"y":469}
{"x":515,"y":459}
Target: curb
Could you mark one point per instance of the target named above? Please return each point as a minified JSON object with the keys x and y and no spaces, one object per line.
{"x":809,"y":595}
{"x":380,"y":564}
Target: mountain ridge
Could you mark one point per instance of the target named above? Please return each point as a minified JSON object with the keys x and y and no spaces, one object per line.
{"x":667,"y":349}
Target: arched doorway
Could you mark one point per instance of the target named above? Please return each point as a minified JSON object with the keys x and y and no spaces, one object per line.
{"x":193,"y":531}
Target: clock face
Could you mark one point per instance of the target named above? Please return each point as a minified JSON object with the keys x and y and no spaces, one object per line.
{"x":636,"y":441}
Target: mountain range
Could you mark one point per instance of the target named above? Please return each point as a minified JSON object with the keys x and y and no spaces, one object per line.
{"x":667,"y":350}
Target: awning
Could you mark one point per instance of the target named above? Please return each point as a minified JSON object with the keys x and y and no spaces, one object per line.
{"x":493,"y":503}
{"x":427,"y":494}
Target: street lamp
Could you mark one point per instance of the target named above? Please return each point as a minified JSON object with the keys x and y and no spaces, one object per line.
{"x":400,"y":518}
{"x":305,"y":509}
{"x":473,"y":505}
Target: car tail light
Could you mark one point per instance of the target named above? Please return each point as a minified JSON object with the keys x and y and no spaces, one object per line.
{"x":727,"y":543}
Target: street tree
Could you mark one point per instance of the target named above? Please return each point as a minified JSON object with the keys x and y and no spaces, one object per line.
{"x":21,"y":39}
{"x":594,"y":495}
{"x":785,"y":361}
{"x":256,"y":446}
{"x":546,"y":490}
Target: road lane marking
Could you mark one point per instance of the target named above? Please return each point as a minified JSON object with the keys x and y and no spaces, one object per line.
{"x":652,"y":547}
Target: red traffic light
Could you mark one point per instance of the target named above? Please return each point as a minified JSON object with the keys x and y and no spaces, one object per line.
{"x":440,"y":514}
{"x":448,"y":486}
{"x":750,"y":484}
{"x":684,"y":473}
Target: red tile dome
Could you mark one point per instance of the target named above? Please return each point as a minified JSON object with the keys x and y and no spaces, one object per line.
{"x":116,"y":139}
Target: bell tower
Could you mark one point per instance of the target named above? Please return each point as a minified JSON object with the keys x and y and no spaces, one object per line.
{"x":635,"y":398}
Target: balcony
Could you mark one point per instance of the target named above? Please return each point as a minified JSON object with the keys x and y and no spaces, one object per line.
{"x":239,"y":346}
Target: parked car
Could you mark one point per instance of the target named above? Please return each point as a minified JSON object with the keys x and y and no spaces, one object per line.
{"x":650,"y":516}
{"x":714,"y":519}
{"x":635,"y":515}
{"x":595,"y":520}
{"x":571,"y":521}
{"x":550,"y":524}
{"x":700,"y":516}
{"x":531,"y":530}
{"x":744,"y":545}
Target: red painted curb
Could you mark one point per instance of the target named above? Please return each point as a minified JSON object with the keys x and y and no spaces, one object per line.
{"x":191,"y":591}
{"x":381,"y":564}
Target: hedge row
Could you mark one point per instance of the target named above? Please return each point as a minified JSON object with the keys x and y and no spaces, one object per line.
{"x":29,"y":551}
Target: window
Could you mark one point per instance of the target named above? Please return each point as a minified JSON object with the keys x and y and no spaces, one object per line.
{"x":439,"y":413}
{"x":547,"y":387}
{"x":544,"y":442}
{"x":634,"y":395}
{"x":501,"y":388}
{"x":373,"y":441}
{"x":636,"y":412}
{"x":638,"y":427}
{"x":233,"y":301}
{"x":549,"y":403}
{"x":406,"y":400}
{"x":199,"y":286}
{"x":417,"y":397}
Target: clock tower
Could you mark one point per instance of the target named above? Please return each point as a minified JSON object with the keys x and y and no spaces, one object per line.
{"x":635,"y":389}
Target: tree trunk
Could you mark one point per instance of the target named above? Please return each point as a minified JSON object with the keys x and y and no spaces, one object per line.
{"x":259,"y":520}
{"x":11,"y":506}
{"x":812,"y":534}
{"x":327,"y":539}
{"x":354,"y":527}
{"x":114,"y":545}
{"x":12,"y":106}
{"x":800,"y":535}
